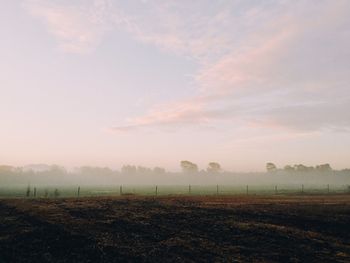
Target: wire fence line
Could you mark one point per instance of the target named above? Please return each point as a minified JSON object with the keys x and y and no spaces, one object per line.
{"x":163,"y":190}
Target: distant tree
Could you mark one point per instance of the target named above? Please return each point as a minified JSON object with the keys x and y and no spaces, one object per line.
{"x":6,"y":169}
{"x":129,"y":169}
{"x":300,"y":167}
{"x":288,"y":168}
{"x":144,"y":170}
{"x":271,"y":167}
{"x":214,"y":167}
{"x":303,"y":168}
{"x":158,"y":170}
{"x":57,"y":170}
{"x":189,"y":167}
{"x":345,"y":171}
{"x":323,"y":168}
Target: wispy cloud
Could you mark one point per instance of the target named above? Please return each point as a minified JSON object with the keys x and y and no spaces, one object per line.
{"x":279,"y":56}
{"x":77,"y":28}
{"x":280,"y":62}
{"x":186,"y":112}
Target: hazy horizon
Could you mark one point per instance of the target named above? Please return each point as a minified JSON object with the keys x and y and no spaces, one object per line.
{"x":178,"y":169}
{"x":108,"y":83}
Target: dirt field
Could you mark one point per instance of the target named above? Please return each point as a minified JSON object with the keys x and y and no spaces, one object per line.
{"x":176,"y":229}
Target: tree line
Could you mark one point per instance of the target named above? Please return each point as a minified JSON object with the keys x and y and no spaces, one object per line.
{"x":321,"y":168}
{"x":187,"y":167}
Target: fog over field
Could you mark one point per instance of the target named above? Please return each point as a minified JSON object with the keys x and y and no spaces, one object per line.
{"x":46,"y":175}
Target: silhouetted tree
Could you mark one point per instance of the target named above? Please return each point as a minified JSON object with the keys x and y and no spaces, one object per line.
{"x":323,"y":168}
{"x":271,"y":167}
{"x":213,"y":167}
{"x":189,"y":167}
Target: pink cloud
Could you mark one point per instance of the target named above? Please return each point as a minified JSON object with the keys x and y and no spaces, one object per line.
{"x":233,"y":71}
{"x":271,"y":66}
{"x":251,"y":59}
{"x":78,"y":29}
{"x":181,"y":112}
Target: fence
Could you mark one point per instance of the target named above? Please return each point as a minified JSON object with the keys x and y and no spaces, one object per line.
{"x":162,"y":190}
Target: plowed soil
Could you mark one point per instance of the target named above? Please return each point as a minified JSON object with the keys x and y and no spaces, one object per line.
{"x":176,"y":229}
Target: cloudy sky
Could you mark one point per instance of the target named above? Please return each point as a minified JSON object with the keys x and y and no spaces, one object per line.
{"x":153,"y":82}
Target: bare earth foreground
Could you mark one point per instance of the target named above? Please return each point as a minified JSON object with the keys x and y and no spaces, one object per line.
{"x":176,"y":229}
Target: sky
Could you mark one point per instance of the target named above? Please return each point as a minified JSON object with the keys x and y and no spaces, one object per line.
{"x":153,"y":82}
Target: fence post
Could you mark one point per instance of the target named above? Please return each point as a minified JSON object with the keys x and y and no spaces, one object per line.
{"x":302,"y":188}
{"x":275,"y":189}
{"x":217,"y":189}
{"x":327,"y":188}
{"x":78,"y":191}
{"x":34,"y":192}
{"x":121,"y":190}
{"x":28,"y":191}
{"x":247,"y":190}
{"x":156,"y":190}
{"x":189,"y":189}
